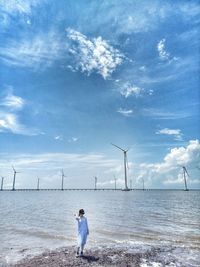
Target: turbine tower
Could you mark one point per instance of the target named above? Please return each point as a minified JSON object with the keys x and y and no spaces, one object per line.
{"x":2,"y":178}
{"x":184,"y":177}
{"x":143,"y":183}
{"x":130,"y":183}
{"x":115,"y":182}
{"x":14,"y":177}
{"x":95,"y":183}
{"x":38,"y":184}
{"x":125,"y":165}
{"x":63,"y":176}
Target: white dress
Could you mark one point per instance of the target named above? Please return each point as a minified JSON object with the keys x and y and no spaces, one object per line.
{"x":83,"y":230}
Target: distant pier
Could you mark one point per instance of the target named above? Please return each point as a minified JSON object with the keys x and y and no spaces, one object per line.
{"x":67,"y":189}
{"x":92,"y":189}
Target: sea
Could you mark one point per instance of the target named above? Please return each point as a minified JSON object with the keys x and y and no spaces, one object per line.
{"x":168,"y":221}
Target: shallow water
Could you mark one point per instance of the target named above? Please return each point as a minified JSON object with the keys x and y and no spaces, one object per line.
{"x":34,"y":221}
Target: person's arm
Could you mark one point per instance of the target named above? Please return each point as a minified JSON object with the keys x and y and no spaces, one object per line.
{"x":77,"y":217}
{"x":87,"y":227}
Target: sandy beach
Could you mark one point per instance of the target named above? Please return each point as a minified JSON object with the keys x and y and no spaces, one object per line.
{"x":92,"y":257}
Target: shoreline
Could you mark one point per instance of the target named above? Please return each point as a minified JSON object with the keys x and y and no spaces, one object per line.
{"x":102,"y":256}
{"x":112,"y":255}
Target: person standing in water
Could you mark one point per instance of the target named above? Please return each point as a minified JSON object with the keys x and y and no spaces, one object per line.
{"x":83,"y":231}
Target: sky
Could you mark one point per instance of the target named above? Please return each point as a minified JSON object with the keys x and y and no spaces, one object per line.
{"x":76,"y":76}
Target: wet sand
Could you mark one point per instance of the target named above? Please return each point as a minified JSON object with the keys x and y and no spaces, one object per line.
{"x":92,"y":257}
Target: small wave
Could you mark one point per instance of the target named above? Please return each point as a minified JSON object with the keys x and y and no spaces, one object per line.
{"x":40,"y":234}
{"x":171,"y":257}
{"x":158,"y":255}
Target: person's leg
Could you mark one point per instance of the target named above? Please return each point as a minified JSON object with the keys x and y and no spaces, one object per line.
{"x":82,"y":247}
{"x":77,"y":252}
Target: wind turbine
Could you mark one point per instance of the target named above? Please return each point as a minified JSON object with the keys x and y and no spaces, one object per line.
{"x":143,"y":183}
{"x":131,"y":184}
{"x":115,"y":182}
{"x":38,"y":184}
{"x":2,"y":178}
{"x":184,"y":177}
{"x":63,"y":176}
{"x":95,"y":183}
{"x":125,"y":166}
{"x":15,"y":172}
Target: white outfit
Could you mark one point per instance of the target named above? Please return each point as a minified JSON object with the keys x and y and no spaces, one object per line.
{"x":83,"y":230}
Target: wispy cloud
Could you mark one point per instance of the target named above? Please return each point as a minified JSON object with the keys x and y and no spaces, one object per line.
{"x":10,"y":109}
{"x":143,"y":16}
{"x":21,"y":6}
{"x":48,"y":165}
{"x":165,"y":115}
{"x":58,"y":137}
{"x":39,"y":52}
{"x":12,"y":101}
{"x":128,"y":89}
{"x":125,"y":112}
{"x":70,"y":140}
{"x":176,"y":133}
{"x":9,"y":122}
{"x":94,"y":54}
{"x":111,"y":183}
{"x":73,"y":139}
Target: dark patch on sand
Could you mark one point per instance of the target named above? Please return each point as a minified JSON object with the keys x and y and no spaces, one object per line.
{"x":92,"y":257}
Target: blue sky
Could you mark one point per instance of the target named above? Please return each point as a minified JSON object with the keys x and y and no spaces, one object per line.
{"x":78,"y":75}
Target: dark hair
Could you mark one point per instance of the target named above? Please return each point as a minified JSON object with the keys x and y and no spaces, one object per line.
{"x":81,"y":211}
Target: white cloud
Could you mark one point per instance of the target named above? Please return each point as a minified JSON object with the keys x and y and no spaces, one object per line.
{"x":163,"y":54}
{"x":9,"y":122}
{"x":125,"y":112}
{"x":40,"y":51}
{"x":151,"y":91}
{"x":131,"y":90}
{"x":111,"y":183}
{"x":174,"y":132}
{"x":58,"y":137}
{"x":169,"y":172}
{"x":93,"y":55}
{"x":13,"y":102}
{"x":10,"y":105}
{"x":47,"y":166}
{"x":143,"y":68}
{"x":19,"y":6}
{"x":73,"y":139}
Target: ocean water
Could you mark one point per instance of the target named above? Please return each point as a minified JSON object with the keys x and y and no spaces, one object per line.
{"x":169,"y":221}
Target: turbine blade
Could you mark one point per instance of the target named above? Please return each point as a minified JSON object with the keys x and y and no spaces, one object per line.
{"x":186,"y":171}
{"x":118,"y":147}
